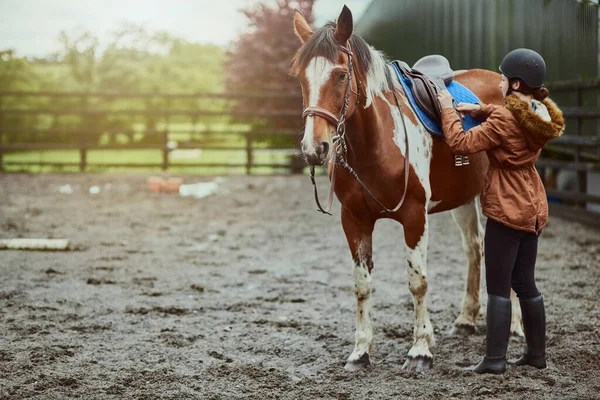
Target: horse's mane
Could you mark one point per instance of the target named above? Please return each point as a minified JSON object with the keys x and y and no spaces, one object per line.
{"x":371,"y":62}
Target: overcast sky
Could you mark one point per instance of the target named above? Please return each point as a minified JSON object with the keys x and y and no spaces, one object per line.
{"x":31,"y":27}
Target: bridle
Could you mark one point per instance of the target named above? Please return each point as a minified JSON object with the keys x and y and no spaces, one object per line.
{"x":340,"y":149}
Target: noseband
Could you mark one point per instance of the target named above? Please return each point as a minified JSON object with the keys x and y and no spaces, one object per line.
{"x":340,"y":150}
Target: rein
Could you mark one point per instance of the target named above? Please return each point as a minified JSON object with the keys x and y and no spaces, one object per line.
{"x":339,"y":143}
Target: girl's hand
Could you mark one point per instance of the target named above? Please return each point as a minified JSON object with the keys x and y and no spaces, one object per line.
{"x":465,"y":108}
{"x":445,"y":99}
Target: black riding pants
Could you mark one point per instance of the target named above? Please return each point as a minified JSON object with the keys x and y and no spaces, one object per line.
{"x":510,"y":256}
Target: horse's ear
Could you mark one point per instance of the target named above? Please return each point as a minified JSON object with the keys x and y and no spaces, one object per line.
{"x":344,"y":27}
{"x":301,"y":27}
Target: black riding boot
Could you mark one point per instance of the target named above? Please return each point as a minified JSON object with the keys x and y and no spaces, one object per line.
{"x":534,"y":322}
{"x":498,"y":332}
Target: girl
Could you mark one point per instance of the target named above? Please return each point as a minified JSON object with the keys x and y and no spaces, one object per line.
{"x":513,"y":198}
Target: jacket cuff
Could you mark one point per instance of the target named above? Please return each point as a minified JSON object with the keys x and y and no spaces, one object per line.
{"x":484,"y":111}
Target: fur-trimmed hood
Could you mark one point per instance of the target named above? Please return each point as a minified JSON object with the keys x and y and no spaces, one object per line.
{"x":545,"y":123}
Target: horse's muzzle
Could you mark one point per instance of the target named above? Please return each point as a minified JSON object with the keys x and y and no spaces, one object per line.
{"x":318,"y":155}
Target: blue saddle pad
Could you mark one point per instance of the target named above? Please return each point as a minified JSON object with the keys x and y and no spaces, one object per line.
{"x":460,"y":94}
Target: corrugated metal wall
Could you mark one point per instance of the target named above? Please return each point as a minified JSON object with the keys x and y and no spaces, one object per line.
{"x":478,"y":33}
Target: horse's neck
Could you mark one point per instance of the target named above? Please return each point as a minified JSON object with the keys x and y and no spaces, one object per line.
{"x":369,"y":127}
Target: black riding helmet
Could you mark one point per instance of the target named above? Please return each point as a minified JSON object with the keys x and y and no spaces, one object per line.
{"x":526,"y":65}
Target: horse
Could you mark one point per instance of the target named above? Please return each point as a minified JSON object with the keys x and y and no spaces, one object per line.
{"x":389,"y":156}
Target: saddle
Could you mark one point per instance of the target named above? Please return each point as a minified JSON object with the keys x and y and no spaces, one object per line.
{"x":428,"y":76}
{"x":424,"y":81}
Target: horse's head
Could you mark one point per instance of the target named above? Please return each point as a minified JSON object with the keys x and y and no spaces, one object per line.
{"x":328,"y":74}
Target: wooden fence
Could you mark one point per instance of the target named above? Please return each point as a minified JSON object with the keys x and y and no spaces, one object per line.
{"x":11,"y":109}
{"x":579,"y":149}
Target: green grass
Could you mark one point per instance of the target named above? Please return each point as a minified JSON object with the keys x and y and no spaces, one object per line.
{"x":146,"y":157}
{"x":224,"y":135}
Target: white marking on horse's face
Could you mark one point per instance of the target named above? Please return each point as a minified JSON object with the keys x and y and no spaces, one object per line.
{"x":420,"y":142}
{"x":317,"y":75}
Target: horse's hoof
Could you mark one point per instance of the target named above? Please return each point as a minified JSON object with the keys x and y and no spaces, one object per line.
{"x":517,"y":332}
{"x":418,"y":364}
{"x":362,"y":363}
{"x":463,"y":330}
{"x":518,"y":335}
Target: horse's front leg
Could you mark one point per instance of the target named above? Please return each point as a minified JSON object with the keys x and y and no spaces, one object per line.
{"x":359,"y":233}
{"x":416,"y":233}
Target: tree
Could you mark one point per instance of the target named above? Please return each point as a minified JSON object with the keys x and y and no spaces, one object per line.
{"x":134,"y":60}
{"x":137,"y":60}
{"x":80,"y":54}
{"x":15,"y":72}
{"x":259,"y":61}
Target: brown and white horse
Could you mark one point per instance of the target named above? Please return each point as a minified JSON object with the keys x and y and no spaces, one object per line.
{"x":336,"y":67}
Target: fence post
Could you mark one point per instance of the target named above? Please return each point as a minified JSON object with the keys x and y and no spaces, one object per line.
{"x":1,"y":159}
{"x":249,"y":155}
{"x":165,"y":136}
{"x":165,"y":149}
{"x":1,"y":135}
{"x":581,"y":175}
{"x":82,"y":134}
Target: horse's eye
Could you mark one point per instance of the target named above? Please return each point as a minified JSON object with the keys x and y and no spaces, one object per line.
{"x":343,"y":76}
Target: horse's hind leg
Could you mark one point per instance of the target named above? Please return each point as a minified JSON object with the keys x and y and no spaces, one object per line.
{"x":467,"y":218}
{"x":516,"y":329}
{"x":359,"y":234}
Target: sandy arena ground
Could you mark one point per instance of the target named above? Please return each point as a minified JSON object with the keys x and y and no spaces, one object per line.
{"x":249,"y":295}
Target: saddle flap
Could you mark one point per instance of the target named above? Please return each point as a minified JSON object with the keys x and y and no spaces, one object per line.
{"x":425,"y":91}
{"x":426,"y":97}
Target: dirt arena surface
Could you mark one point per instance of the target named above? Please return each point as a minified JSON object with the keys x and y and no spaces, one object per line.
{"x":248,"y":294}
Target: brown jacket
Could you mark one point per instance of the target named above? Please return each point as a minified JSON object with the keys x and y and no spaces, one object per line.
{"x":513,"y":137}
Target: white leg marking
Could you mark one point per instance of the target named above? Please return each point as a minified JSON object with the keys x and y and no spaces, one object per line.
{"x":417,"y":283}
{"x":516,"y":328}
{"x":364,"y":328}
{"x":467,"y":219}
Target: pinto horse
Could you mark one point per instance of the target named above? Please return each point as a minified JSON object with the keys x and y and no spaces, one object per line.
{"x":395,"y":158}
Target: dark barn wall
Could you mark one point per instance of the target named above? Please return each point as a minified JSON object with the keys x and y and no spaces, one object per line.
{"x":478,"y":33}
